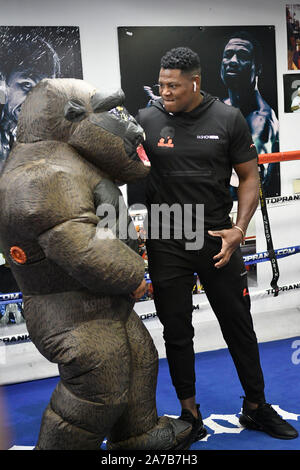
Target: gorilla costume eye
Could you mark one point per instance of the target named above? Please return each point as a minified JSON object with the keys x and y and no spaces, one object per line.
{"x":74,"y":111}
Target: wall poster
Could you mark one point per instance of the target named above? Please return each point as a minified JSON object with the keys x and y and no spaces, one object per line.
{"x":293,"y":36}
{"x":146,"y":45}
{"x":29,"y":54}
{"x":140,"y":50}
{"x":291,"y":84}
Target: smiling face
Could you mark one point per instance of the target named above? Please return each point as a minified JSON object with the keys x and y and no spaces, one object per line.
{"x":238,"y":65}
{"x":177,"y":90}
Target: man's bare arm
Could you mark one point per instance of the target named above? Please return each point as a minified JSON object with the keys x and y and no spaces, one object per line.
{"x":248,"y":197}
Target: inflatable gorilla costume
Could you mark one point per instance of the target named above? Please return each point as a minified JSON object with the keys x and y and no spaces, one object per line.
{"x":76,"y":276}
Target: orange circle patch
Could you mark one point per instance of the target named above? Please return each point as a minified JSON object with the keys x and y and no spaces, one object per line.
{"x":18,"y":255}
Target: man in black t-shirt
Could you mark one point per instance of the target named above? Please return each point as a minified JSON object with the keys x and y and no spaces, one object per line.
{"x":193,"y":141}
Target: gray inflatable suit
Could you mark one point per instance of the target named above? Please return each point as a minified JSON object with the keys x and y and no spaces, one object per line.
{"x":76,"y":276}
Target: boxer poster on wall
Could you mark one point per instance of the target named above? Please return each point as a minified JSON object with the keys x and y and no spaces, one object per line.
{"x":29,"y":54}
{"x":140,"y":50}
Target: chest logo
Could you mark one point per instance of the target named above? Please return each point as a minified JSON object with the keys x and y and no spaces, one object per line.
{"x":208,"y":137}
{"x":165,"y":142}
{"x":166,"y":137}
{"x":18,"y":255}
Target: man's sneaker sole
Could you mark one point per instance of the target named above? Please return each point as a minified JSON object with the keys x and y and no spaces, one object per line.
{"x":249,"y":423}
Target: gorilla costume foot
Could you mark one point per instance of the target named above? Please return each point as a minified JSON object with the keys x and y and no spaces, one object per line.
{"x":168,"y":434}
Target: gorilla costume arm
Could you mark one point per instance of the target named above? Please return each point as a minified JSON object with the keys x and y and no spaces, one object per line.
{"x":92,"y":255}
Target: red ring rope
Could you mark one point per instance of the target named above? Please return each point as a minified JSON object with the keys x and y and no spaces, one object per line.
{"x":279,"y":156}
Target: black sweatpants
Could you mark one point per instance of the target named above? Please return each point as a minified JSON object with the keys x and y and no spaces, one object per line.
{"x":172,"y":270}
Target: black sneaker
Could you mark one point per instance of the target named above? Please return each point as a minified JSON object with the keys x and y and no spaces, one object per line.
{"x":266,"y":419}
{"x":198,"y":431}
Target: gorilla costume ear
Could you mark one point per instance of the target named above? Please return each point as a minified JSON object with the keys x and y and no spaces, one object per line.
{"x":101,"y":103}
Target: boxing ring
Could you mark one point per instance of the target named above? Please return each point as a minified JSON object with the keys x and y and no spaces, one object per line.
{"x":275,"y":297}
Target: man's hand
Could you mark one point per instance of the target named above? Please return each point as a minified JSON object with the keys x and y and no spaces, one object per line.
{"x":248,"y":196}
{"x":140,"y":291}
{"x":231,"y":239}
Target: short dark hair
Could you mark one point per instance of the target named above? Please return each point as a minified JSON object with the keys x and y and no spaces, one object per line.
{"x":30,"y":54}
{"x":182,"y":58}
{"x":257,"y":49}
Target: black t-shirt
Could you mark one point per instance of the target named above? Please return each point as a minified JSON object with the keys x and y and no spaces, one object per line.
{"x":192,"y":155}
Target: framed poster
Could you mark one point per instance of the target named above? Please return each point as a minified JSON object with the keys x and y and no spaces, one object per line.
{"x":291,"y":84}
{"x":293,"y":35}
{"x":140,"y":51}
{"x":27,"y":55}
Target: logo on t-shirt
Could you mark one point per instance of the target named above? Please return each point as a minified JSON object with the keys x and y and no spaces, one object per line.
{"x":208,"y":137}
{"x":166,"y":137}
{"x":165,"y":142}
{"x":245,"y":292}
